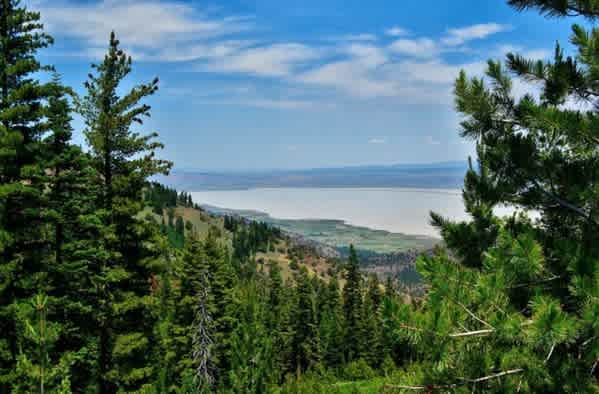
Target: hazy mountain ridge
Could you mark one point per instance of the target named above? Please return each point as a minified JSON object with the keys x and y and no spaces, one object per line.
{"x":433,"y":175}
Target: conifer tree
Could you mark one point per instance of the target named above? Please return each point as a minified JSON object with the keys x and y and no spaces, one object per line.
{"x":23,"y":246}
{"x":251,"y":345}
{"x":305,"y":347}
{"x":352,"y":305}
{"x":69,"y":209}
{"x":331,"y":326}
{"x":223,"y":280}
{"x":124,"y":159}
{"x":518,"y":311}
{"x":371,"y":336}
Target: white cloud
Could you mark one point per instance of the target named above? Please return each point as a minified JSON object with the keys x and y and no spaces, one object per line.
{"x":437,"y":72}
{"x":533,"y":54}
{"x":351,"y":77}
{"x":351,"y":66}
{"x":368,"y":55}
{"x":420,"y":47}
{"x":278,"y":60}
{"x":462,"y":35}
{"x":377,"y":141}
{"x":139,"y":23}
{"x":149,"y":29}
{"x":396,"y":31}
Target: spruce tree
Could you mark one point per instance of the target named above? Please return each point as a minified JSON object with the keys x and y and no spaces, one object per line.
{"x":23,"y":246}
{"x":352,"y":305}
{"x":331,"y":326}
{"x":305,"y":349}
{"x":124,"y":160}
{"x":251,"y":369}
{"x":69,"y":209}
{"x":371,"y":337}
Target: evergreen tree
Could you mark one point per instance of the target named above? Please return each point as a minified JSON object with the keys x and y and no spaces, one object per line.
{"x":69,"y":209}
{"x":305,"y":349}
{"x":352,"y":305}
{"x":518,"y":311}
{"x":222,"y":285}
{"x":23,"y":245}
{"x":331,"y":326}
{"x":124,"y":159}
{"x":251,"y":345}
{"x":371,"y":337}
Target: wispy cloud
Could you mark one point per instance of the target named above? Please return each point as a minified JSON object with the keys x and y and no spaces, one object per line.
{"x":464,"y":34}
{"x":377,"y":141}
{"x":147,"y":24}
{"x":396,"y":31}
{"x":420,"y":47}
{"x":278,"y":60}
{"x":352,"y":66}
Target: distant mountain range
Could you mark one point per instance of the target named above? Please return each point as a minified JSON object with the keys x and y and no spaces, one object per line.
{"x":433,"y":175}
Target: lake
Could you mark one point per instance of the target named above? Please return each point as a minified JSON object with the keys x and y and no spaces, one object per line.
{"x":398,"y":210}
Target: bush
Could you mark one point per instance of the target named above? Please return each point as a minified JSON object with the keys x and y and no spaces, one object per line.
{"x":358,"y":370}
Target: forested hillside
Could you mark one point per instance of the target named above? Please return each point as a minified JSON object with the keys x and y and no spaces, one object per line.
{"x":110,"y":283}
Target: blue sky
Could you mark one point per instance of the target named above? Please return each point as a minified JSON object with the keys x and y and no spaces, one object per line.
{"x":251,"y":84}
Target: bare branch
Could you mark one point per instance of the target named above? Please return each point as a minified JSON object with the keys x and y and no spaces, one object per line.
{"x":473,"y":315}
{"x":453,"y":385}
{"x":496,"y":375}
{"x":565,"y":204}
{"x":550,"y":353}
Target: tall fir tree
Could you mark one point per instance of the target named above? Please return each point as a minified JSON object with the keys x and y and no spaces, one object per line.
{"x":352,"y":305}
{"x":23,"y":245}
{"x":124,"y":160}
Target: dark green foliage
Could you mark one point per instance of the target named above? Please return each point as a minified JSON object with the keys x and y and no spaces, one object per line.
{"x":250,"y":238}
{"x":352,"y":306}
{"x":160,"y":197}
{"x":94,"y":297}
{"x":23,"y":102}
{"x":513,"y":308}
{"x":305,"y":346}
{"x":124,"y":160}
{"x":252,"y":357}
{"x":560,"y":8}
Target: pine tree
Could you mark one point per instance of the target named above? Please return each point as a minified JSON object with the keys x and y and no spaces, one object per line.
{"x":23,"y":246}
{"x":331,"y":326}
{"x":518,"y":311}
{"x":252,"y":358}
{"x":371,"y":337}
{"x":124,"y":159}
{"x":305,"y":347}
{"x":223,"y":280}
{"x":352,"y":305}
{"x":69,"y":208}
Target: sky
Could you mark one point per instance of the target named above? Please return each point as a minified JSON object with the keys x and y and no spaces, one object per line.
{"x":271,"y":84}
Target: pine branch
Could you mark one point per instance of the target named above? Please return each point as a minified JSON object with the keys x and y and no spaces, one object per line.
{"x":565,"y":204}
{"x":454,"y":385}
{"x":568,"y":8}
{"x":474,"y":316}
{"x":537,"y":282}
{"x":550,"y":353}
{"x":484,"y":332}
{"x":496,"y":375}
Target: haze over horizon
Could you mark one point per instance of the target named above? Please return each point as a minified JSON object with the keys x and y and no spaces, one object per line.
{"x":252,"y":85}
